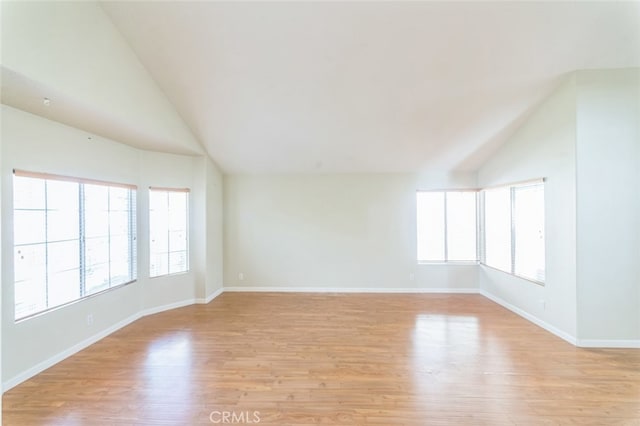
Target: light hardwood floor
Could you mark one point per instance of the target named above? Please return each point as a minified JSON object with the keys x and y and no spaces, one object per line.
{"x":347,"y":359}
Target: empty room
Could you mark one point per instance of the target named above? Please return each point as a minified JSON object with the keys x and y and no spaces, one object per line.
{"x":332,"y":212}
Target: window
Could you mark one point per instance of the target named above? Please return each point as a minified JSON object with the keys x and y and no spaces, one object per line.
{"x":72,"y":238}
{"x":446,"y":226}
{"x":514,"y":230}
{"x":497,"y":228}
{"x":168,"y":231}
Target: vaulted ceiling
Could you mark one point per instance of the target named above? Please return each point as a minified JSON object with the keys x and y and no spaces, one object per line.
{"x":287,"y":87}
{"x":367,"y":86}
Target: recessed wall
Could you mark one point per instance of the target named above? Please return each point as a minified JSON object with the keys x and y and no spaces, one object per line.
{"x":333,"y":232}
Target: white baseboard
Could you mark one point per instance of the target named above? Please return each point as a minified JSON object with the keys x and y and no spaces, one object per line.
{"x":597,"y":343}
{"x":50,"y":362}
{"x":210,"y":297}
{"x":537,"y":321}
{"x":40,"y":367}
{"x":167,"y":307}
{"x":351,"y":290}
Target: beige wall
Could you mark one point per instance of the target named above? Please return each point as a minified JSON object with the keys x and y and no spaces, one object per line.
{"x":332,"y":232}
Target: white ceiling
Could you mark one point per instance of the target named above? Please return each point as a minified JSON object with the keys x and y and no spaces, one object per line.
{"x":286,"y":87}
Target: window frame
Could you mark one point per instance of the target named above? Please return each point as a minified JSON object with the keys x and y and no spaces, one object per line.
{"x":187,"y":250}
{"x":445,"y":229}
{"x":82,"y":254}
{"x":512,"y":188}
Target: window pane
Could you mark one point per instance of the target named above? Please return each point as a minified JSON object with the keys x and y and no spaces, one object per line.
{"x":178,"y":262}
{"x":118,"y":199}
{"x":28,"y":193}
{"x":96,"y":251}
{"x":120,"y":260}
{"x":158,"y":200}
{"x":63,"y":272}
{"x":63,"y":256}
{"x":497,"y":218}
{"x":177,"y":211}
{"x":430,"y":226}
{"x":159,"y":232}
{"x":178,"y":240}
{"x":159,"y":264}
{"x":168,"y":232}
{"x":64,"y":287}
{"x":529,"y":232}
{"x":96,"y":204}
{"x":96,"y":198}
{"x":62,"y":195}
{"x":118,"y":223}
{"x":96,"y":224}
{"x":97,"y":277}
{"x":63,"y":225}
{"x":30,"y":280}
{"x":461,"y":226}
{"x":29,"y":226}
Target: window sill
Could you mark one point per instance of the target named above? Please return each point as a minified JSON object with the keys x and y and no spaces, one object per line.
{"x":73,"y":302}
{"x":540,"y":283}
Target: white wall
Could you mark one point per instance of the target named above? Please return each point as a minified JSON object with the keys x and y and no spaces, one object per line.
{"x":72,"y":53}
{"x":214,"y":212}
{"x":207,"y":223}
{"x":332,"y":232}
{"x":543,"y":147}
{"x":36,"y":144}
{"x":2,"y":214}
{"x":608,"y":196}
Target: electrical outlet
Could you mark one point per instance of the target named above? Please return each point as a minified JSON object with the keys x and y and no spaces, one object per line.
{"x":241,"y":276}
{"x":543,"y":304}
{"x":90,"y":319}
{"x":412,"y":276}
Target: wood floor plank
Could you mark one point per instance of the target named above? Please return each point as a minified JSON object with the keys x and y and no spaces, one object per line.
{"x":341,"y":359}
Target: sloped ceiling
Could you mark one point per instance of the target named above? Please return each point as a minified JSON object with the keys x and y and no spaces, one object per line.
{"x":367,"y":86}
{"x":289,"y":87}
{"x":70,"y":53}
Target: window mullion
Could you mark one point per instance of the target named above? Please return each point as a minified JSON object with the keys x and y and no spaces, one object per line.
{"x":109,"y":234}
{"x":46,"y":246}
{"x":132,"y":236}
{"x":479,"y":228}
{"x":168,"y":233}
{"x":83,"y":245}
{"x":446,"y":232}
{"x":513,"y":229}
